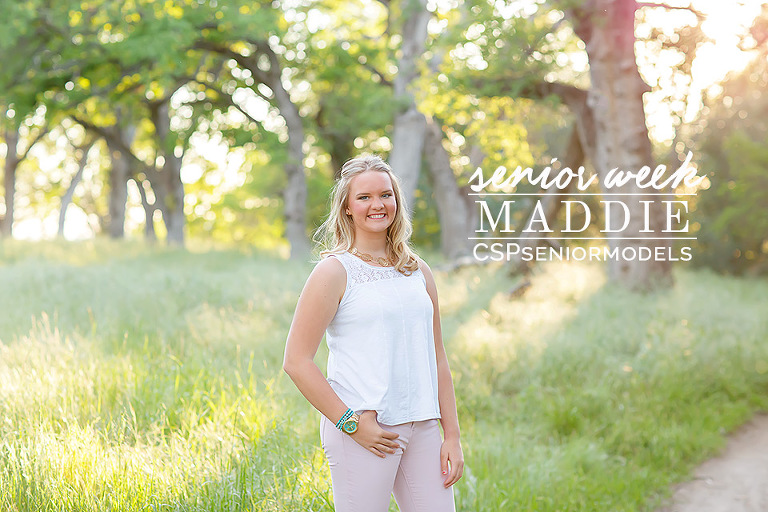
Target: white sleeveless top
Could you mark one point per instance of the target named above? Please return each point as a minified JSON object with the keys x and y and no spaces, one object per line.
{"x":381,"y":344}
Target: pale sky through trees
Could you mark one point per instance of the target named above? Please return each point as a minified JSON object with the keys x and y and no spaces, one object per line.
{"x":725,"y":22}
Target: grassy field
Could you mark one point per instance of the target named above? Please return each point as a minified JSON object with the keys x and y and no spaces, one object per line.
{"x":150,"y":379}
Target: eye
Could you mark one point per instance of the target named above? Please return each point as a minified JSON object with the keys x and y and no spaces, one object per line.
{"x":362,"y":197}
{"x":386,"y":194}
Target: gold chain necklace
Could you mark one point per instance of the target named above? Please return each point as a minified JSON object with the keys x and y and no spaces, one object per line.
{"x":384,"y":262}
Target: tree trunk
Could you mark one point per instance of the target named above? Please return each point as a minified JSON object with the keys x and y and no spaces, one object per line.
{"x":452,"y":211}
{"x":169,"y":192}
{"x":616,"y":102}
{"x":118,"y":178}
{"x":409,"y":125}
{"x":149,"y":212}
{"x":66,"y":199}
{"x":407,"y":147}
{"x":295,"y":192}
{"x":118,"y":192}
{"x":552,"y":202}
{"x":9,"y":179}
{"x":341,"y":145}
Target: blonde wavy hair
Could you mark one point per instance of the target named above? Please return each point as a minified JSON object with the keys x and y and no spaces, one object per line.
{"x":337,"y":233}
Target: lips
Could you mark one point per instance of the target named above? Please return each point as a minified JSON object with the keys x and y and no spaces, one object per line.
{"x":377,"y":216}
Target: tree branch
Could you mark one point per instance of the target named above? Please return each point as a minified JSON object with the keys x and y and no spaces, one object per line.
{"x":228,"y":100}
{"x":568,"y":94}
{"x":43,"y":131}
{"x":119,"y":143}
{"x":700,"y":15}
{"x":384,"y":80}
{"x":249,"y":62}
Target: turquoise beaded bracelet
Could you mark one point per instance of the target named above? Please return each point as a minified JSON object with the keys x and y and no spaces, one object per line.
{"x":344,"y":418}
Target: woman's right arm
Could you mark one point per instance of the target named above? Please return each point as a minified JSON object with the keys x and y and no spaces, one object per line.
{"x":315,"y":309}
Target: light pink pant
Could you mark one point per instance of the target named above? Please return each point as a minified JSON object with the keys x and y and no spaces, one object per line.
{"x":363,"y":482}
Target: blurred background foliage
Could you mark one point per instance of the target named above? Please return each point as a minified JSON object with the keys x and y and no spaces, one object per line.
{"x":734,"y":141}
{"x":225,"y":121}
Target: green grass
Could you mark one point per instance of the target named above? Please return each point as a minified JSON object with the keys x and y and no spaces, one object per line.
{"x":134,"y":378}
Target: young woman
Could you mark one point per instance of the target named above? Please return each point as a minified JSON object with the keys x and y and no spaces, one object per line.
{"x":388,"y":381}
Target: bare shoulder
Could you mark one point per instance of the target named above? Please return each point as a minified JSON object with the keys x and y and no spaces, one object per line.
{"x":423,"y":266}
{"x":330,"y":265}
{"x":428,"y":277}
{"x":330,"y":269}
{"x":329,"y":277}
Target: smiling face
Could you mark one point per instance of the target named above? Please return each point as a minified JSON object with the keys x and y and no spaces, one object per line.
{"x":371,"y":202}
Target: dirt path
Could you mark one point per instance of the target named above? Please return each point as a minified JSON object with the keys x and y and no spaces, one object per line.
{"x":735,"y":481}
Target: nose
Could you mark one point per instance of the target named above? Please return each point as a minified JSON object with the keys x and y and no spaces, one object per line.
{"x":378,"y":203}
